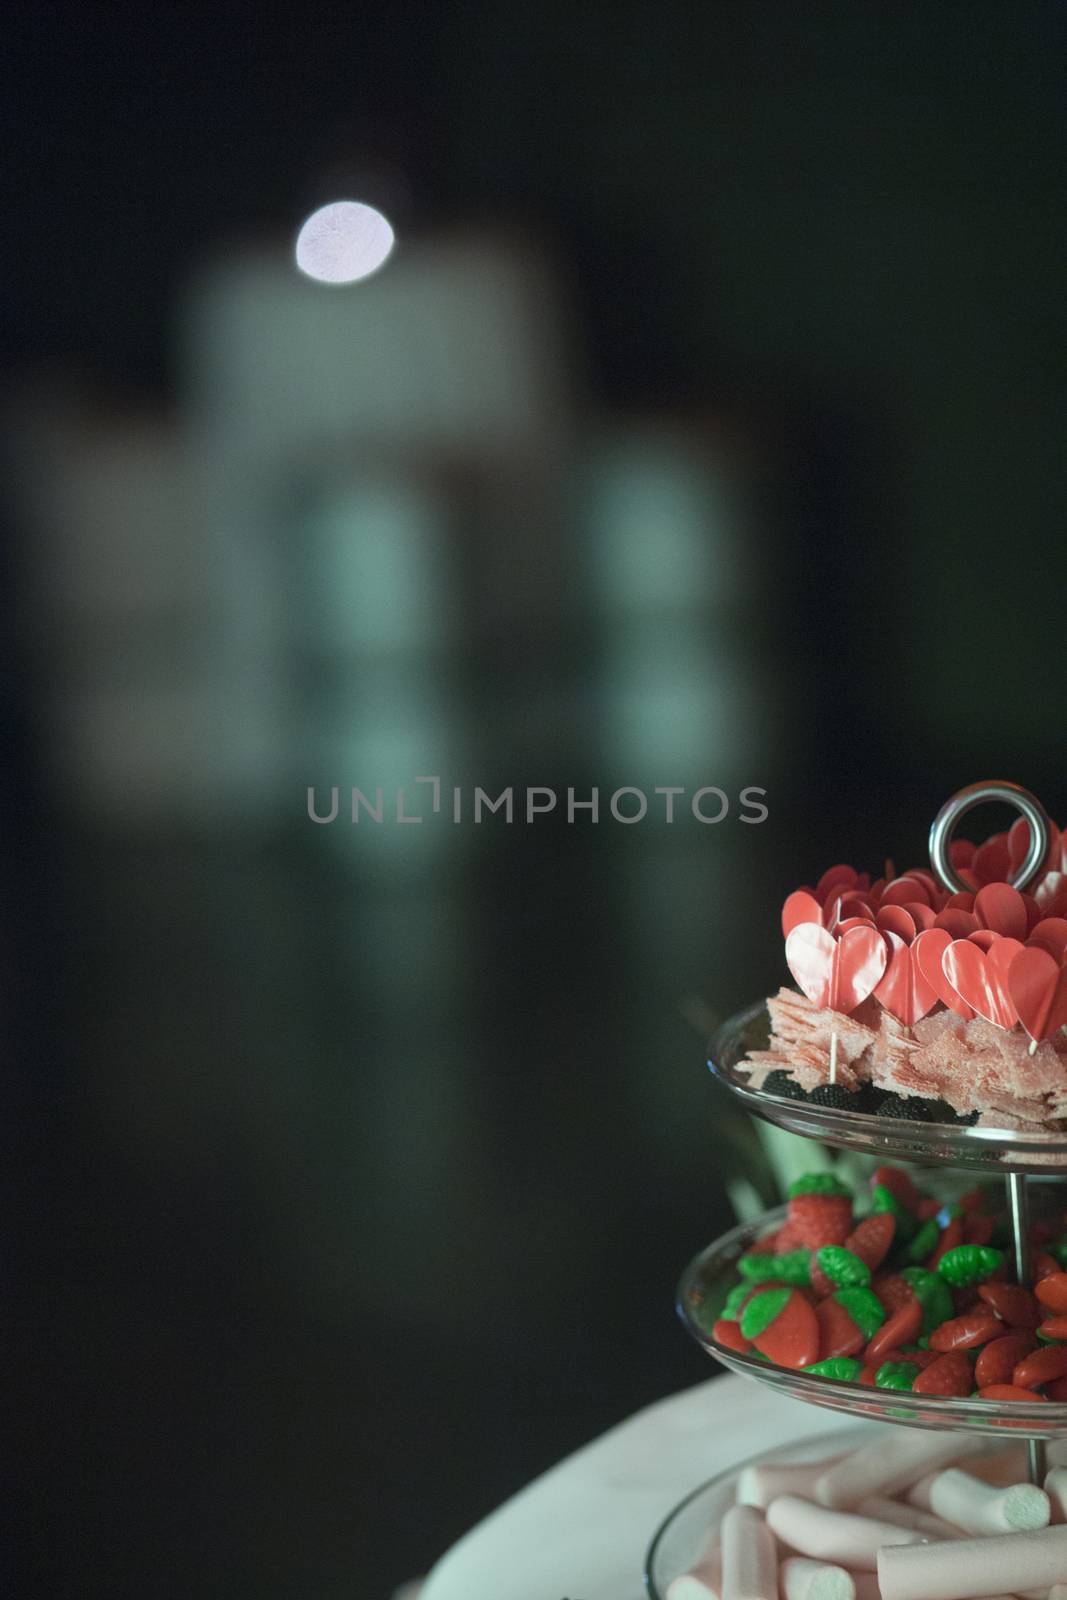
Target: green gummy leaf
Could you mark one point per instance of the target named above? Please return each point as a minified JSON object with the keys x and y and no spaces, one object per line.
{"x":933,"y":1295}
{"x":969,"y":1263}
{"x":883,"y":1199}
{"x":731,"y":1311}
{"x":762,"y":1310}
{"x":793,"y":1267}
{"x":924,"y":1243}
{"x":817,"y":1183}
{"x":843,"y":1368}
{"x":865,"y":1309}
{"x":896,"y":1375}
{"x":844,"y":1270}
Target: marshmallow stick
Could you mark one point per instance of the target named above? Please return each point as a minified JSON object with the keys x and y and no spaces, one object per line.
{"x":883,"y":1510}
{"x":749,"y":1557}
{"x":703,"y":1583}
{"x":1056,"y":1489}
{"x":834,"y":1535}
{"x":977,"y":1508}
{"x":888,"y":1464}
{"x":759,"y":1485}
{"x":801,"y":1579}
{"x":973,"y":1569}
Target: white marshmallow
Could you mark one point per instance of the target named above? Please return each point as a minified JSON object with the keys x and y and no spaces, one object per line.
{"x":703,"y":1583}
{"x":760,"y":1484}
{"x":835,"y":1536}
{"x":905,"y":1516}
{"x":973,"y":1569}
{"x":890,"y":1463}
{"x":749,"y":1556}
{"x":977,"y":1507}
{"x":1056,"y":1489}
{"x":801,"y":1579}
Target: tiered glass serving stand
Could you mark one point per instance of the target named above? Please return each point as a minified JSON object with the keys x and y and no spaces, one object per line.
{"x":1033,"y":1166}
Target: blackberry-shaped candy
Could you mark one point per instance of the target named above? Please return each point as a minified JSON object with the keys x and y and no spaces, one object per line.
{"x":910,"y":1108}
{"x":833,"y":1094}
{"x":780,"y":1083}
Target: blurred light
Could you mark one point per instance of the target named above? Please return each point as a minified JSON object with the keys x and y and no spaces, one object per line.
{"x":343,"y":242}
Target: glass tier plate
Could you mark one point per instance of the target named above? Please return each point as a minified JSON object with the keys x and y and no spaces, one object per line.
{"x":684,"y":1534}
{"x":702,"y":1293}
{"x":985,"y":1149}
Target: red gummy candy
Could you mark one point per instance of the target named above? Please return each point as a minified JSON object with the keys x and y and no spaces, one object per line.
{"x":1000,"y":1357}
{"x":820,"y":1219}
{"x":1041,"y":1366}
{"x":1013,"y":1305}
{"x":967,"y":1332}
{"x":903,"y":1326}
{"x":893,"y":1291}
{"x":1051,"y":1290}
{"x":1054,"y":1327}
{"x":868,"y":1376}
{"x":951,"y":1236}
{"x":899,"y":1185}
{"x":1045,"y":1266}
{"x":1057,"y":1389}
{"x":949,"y":1374}
{"x":729,"y":1333}
{"x":977,"y":1230}
{"x":792,"y":1339}
{"x":972,"y":1201}
{"x":767,"y":1246}
{"x":1008,"y":1391}
{"x":788,"y":1238}
{"x":838,"y":1334}
{"x":871,"y":1239}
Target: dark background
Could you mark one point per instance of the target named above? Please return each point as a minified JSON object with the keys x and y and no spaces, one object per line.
{"x":319,"y":1261}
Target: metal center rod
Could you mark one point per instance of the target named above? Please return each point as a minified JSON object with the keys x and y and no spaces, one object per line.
{"x":1019,"y":1206}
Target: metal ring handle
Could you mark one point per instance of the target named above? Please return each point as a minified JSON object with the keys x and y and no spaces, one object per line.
{"x":975,"y":795}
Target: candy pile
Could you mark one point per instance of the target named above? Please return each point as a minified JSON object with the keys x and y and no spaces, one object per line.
{"x":916,"y":1001}
{"x":895,"y":1519}
{"x":915,"y":1297}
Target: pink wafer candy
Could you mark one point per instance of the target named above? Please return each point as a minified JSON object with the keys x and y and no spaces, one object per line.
{"x":973,"y":1569}
{"x":890,"y":1463}
{"x":749,"y":1556}
{"x":978,"y":1507}
{"x":801,"y":1579}
{"x":703,"y":1583}
{"x":883,"y":1509}
{"x":834,"y":1535}
{"x":1056,"y":1489}
{"x":760,"y":1484}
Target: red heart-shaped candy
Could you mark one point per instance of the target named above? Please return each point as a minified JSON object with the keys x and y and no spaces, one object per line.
{"x":838,"y":973}
{"x":980,"y":977}
{"x":929,"y":949}
{"x":903,"y":990}
{"x":1038,"y":986}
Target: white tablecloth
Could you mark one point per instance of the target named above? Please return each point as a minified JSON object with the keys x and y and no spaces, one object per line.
{"x":582,"y":1529}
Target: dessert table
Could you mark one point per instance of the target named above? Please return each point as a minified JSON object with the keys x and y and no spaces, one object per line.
{"x":581,"y":1530}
